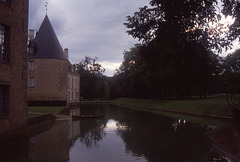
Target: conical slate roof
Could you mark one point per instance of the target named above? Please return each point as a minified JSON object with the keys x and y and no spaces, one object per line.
{"x":47,"y":43}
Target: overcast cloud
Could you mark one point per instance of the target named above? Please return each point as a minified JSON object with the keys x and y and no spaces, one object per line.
{"x":89,"y":27}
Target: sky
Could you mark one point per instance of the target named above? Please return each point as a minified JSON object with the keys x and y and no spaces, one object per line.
{"x":91,"y":27}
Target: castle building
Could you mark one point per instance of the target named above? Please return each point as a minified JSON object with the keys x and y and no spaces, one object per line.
{"x":13,"y":69}
{"x":51,"y":77}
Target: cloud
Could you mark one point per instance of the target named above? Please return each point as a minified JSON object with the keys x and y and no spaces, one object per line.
{"x":92,"y":27}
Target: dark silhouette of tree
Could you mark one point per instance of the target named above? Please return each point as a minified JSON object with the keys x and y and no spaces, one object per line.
{"x":232,"y":8}
{"x":93,"y":83}
{"x":175,"y":58}
{"x":183,"y":20}
{"x":232,"y":72}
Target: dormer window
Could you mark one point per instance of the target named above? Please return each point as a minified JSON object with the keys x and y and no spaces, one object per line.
{"x":4,"y":42}
{"x":32,"y":48}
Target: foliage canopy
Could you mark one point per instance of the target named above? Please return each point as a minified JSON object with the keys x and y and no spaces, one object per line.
{"x":175,"y":58}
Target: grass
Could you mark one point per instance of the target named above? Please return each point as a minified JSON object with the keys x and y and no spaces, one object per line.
{"x":212,"y":105}
{"x":31,"y":115}
{"x":95,"y":101}
{"x":43,"y":110}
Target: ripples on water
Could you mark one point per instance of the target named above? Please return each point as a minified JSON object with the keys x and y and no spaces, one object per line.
{"x":121,"y":135}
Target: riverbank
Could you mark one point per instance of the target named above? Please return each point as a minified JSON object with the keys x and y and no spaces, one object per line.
{"x":212,"y":105}
{"x":211,"y":111}
{"x":41,"y":110}
{"x":195,"y":110}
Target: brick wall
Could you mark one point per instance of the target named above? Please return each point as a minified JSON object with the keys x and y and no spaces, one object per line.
{"x":14,"y":73}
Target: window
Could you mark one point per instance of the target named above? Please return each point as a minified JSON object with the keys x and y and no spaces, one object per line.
{"x":68,"y":82}
{"x":4,"y":42}
{"x":72,"y":83}
{"x":31,"y":65}
{"x":32,"y":49}
{"x":76,"y":96}
{"x":32,"y":82}
{"x":4,"y":99}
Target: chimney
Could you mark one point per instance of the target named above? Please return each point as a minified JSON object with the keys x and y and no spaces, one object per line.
{"x":31,"y":34}
{"x":66,"y":52}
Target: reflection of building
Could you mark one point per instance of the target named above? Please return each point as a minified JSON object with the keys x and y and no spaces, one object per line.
{"x":54,"y":144}
{"x":51,"y":145}
{"x":52,"y":80}
{"x":74,"y":126}
{"x":13,"y":69}
{"x":74,"y":129}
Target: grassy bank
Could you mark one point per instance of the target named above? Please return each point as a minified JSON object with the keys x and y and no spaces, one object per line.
{"x":38,"y":110}
{"x":211,"y":106}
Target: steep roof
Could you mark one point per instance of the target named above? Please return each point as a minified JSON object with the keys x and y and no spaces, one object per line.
{"x":47,"y":43}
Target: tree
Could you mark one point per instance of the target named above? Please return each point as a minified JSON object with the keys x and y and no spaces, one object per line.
{"x":93,"y":83}
{"x":184,"y":20}
{"x":232,"y":8}
{"x":232,"y":71}
{"x":175,"y":57}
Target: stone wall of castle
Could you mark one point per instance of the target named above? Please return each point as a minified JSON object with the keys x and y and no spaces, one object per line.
{"x":13,"y":70}
{"x":48,"y":79}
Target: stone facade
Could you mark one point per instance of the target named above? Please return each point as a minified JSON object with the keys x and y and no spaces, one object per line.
{"x":50,"y":80}
{"x":73,"y":87}
{"x":13,"y":69}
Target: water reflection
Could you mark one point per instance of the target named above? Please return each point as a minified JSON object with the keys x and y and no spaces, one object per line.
{"x":122,"y":135}
{"x":178,"y":123}
{"x":54,"y":143}
{"x":154,"y":137}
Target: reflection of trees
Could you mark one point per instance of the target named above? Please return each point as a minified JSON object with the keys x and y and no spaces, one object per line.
{"x":154,"y":136}
{"x":147,"y":134}
{"x":92,"y":130}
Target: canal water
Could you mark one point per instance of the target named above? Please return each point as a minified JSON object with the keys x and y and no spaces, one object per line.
{"x":122,"y":135}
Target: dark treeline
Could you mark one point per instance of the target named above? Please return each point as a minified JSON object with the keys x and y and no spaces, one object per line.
{"x":175,"y":57}
{"x":166,"y":76}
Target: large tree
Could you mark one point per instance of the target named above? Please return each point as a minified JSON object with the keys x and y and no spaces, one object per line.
{"x":186,"y":20}
{"x":232,"y":8}
{"x":175,"y":57}
{"x":232,"y":72}
{"x":93,"y":83}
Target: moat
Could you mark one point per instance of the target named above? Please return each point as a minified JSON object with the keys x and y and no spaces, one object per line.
{"x":121,"y":135}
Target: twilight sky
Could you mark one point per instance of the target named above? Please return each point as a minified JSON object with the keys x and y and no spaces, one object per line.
{"x":90,"y":27}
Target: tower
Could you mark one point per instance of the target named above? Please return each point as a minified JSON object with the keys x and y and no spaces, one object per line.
{"x":48,"y":68}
